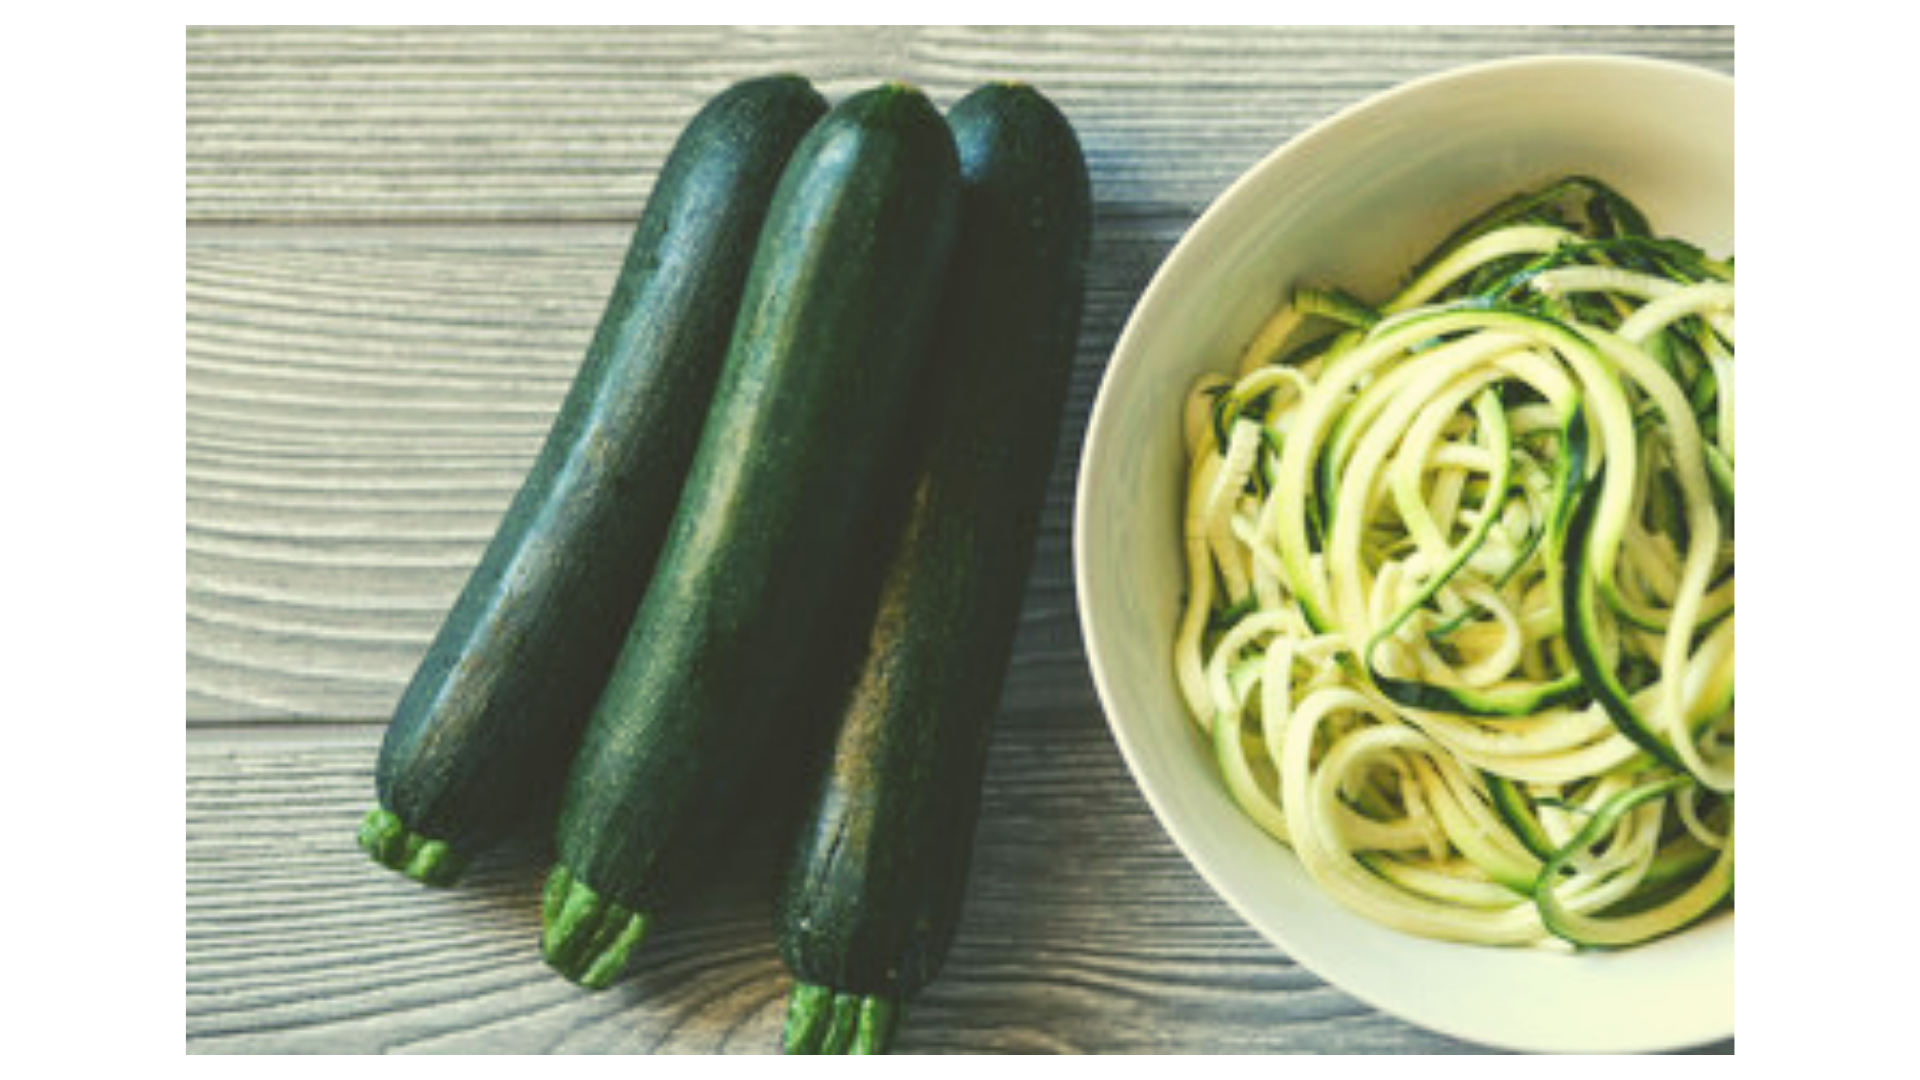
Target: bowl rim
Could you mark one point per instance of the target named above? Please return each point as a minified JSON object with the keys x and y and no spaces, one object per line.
{"x":1125,"y":345}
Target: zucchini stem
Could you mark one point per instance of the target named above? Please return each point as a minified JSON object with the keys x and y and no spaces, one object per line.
{"x":806,"y":1018}
{"x":386,"y":838}
{"x":823,"y":1021}
{"x":585,"y":936}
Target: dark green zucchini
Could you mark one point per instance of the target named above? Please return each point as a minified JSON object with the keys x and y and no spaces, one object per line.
{"x":872,"y":895}
{"x":480,"y":741}
{"x":812,"y":404}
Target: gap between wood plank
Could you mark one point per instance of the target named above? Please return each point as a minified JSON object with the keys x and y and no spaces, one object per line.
{"x":282,"y":732}
{"x":250,"y":231}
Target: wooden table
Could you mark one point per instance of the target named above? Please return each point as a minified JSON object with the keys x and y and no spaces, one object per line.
{"x":398,"y":242}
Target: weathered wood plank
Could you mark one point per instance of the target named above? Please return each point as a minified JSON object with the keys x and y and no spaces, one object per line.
{"x":361,"y":409}
{"x":1085,"y":931}
{"x":568,"y":123}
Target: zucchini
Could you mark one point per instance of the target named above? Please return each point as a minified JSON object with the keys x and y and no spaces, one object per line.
{"x":872,"y":893}
{"x":1681,"y":906}
{"x":1459,"y":625}
{"x":812,"y":406}
{"x":480,"y":740}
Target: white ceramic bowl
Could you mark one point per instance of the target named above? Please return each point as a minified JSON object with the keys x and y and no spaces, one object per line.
{"x":1356,"y":200}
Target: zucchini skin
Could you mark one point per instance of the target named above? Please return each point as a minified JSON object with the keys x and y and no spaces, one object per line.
{"x":480,"y":740}
{"x":873,"y":889}
{"x":832,"y":337}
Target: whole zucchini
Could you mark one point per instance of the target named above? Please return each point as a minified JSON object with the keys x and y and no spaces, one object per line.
{"x":480,"y":740}
{"x":813,"y":400}
{"x":872,"y":895}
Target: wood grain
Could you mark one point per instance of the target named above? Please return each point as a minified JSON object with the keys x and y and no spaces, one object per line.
{"x":288,"y":123}
{"x":1084,"y":932}
{"x":398,"y":242}
{"x":360,"y":410}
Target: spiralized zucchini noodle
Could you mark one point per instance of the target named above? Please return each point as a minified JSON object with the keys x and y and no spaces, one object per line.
{"x":1459,"y":612}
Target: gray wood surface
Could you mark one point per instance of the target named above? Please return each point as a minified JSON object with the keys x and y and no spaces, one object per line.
{"x":398,"y":241}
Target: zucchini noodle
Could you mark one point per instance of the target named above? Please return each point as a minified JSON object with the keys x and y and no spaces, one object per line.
{"x":1458,"y":625}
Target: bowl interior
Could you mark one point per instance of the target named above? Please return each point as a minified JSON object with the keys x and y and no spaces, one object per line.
{"x":1355,"y":201}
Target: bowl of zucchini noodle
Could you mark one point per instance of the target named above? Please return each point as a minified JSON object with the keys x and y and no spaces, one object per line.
{"x":1404,"y":551}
